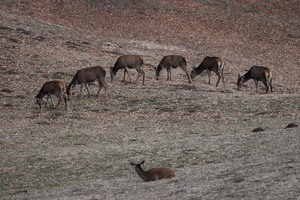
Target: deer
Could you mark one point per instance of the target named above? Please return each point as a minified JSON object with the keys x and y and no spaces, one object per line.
{"x":128,"y":62}
{"x":210,"y":64}
{"x":88,"y":75}
{"x":153,"y":174}
{"x":257,"y":73}
{"x":50,"y":88}
{"x":172,"y":61}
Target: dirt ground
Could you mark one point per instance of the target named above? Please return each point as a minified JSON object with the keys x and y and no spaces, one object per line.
{"x":204,"y":133}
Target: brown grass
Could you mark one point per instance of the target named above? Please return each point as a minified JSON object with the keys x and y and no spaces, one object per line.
{"x":202,"y":132}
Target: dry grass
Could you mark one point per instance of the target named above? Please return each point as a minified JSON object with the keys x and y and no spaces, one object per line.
{"x":202,"y":132}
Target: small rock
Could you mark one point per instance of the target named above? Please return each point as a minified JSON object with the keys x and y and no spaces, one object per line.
{"x":23,"y":31}
{"x":292,"y":125}
{"x":259,"y":129}
{"x":238,"y":179}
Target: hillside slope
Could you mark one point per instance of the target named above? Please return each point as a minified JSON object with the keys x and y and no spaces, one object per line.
{"x":204,"y":133}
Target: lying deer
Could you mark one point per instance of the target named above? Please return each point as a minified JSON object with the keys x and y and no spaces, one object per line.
{"x":88,"y":75}
{"x":128,"y":62}
{"x":209,"y":64}
{"x":172,"y":61}
{"x":257,"y":73}
{"x":153,"y":174}
{"x":56,"y":88}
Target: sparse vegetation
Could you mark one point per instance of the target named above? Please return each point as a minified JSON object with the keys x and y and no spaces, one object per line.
{"x":202,"y":132}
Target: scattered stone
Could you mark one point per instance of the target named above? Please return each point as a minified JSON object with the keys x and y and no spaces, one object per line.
{"x":39,"y":38}
{"x":14,"y":40}
{"x":7,"y":105}
{"x":292,"y":125}
{"x":4,"y":28}
{"x":259,"y":129}
{"x":238,"y":179}
{"x":6,"y":90}
{"x":23,"y":31}
{"x":12,"y":72}
{"x":72,"y":45}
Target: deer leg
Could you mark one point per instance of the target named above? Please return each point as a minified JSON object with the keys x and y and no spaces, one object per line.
{"x":138,"y":76}
{"x":126,"y":71}
{"x":208,"y":72}
{"x":81,"y":88}
{"x":124,"y":74}
{"x":100,"y":87}
{"x":221,"y":72}
{"x":48,"y":96}
{"x":219,"y":78}
{"x":188,"y":75}
{"x":266,"y":85}
{"x":140,"y":73}
{"x":270,"y":83}
{"x":69,"y":93}
{"x":168,"y":73}
{"x":143,"y":74}
{"x":105,"y":87}
{"x":51,"y":100}
{"x":88,"y":89}
{"x":256,"y":85}
{"x":59,"y":99}
{"x":65,"y":100}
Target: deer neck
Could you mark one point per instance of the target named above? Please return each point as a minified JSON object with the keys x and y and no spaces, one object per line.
{"x":41,"y":94}
{"x":159,"y":68}
{"x":200,"y":69}
{"x":246,"y":77}
{"x":115,"y":69}
{"x":142,"y":173}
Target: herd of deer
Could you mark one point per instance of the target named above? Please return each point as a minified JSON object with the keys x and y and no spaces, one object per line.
{"x":91,"y":74}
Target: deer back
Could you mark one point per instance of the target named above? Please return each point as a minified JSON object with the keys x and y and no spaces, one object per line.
{"x":173,"y":61}
{"x":129,"y":61}
{"x":259,"y":73}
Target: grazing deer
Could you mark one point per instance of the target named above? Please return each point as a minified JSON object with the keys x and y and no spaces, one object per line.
{"x":153,"y":174}
{"x":88,"y":75}
{"x":209,"y":64}
{"x":257,"y":73}
{"x":56,"y":88}
{"x":128,"y":62}
{"x":172,"y":61}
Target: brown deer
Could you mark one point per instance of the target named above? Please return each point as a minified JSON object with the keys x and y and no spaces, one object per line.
{"x":88,"y":75}
{"x":257,"y":73}
{"x":153,"y":174}
{"x":56,"y":88}
{"x":128,"y":62}
{"x":209,"y":64}
{"x":172,"y":61}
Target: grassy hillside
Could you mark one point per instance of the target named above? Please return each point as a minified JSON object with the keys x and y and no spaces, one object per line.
{"x":202,"y":132}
